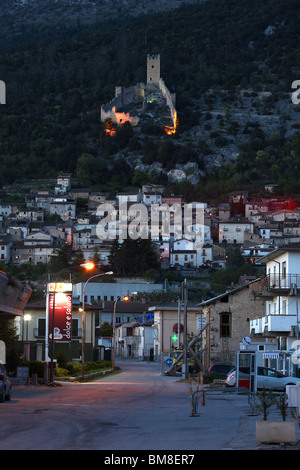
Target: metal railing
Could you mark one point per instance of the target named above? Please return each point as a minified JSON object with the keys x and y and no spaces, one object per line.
{"x":273,"y":282}
{"x":283,"y":281}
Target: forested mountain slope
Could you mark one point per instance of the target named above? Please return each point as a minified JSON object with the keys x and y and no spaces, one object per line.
{"x":230,"y":62}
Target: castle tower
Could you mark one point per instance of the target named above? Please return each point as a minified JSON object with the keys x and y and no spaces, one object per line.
{"x":153,"y":68}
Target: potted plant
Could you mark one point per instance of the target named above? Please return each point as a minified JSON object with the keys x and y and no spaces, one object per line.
{"x":274,"y":431}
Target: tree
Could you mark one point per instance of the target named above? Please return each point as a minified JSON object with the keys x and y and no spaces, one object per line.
{"x":8,"y":332}
{"x":61,"y":260}
{"x":133,"y":256}
{"x":106,"y":329}
{"x":267,"y":399}
{"x":91,"y":170}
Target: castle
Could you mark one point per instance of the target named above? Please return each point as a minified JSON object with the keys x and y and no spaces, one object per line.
{"x":129,"y":104}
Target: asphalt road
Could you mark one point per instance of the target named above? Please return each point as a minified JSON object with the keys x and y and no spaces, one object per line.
{"x":136,"y":409}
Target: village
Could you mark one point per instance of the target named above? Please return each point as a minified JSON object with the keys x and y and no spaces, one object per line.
{"x":266,"y":231}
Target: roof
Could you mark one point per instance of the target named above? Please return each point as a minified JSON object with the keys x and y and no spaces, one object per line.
{"x":173,"y":306}
{"x":41,"y":305}
{"x":230,"y":292}
{"x":126,"y":307}
{"x":293,"y":247}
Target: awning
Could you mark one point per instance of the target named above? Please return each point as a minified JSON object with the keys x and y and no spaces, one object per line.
{"x":271,"y":355}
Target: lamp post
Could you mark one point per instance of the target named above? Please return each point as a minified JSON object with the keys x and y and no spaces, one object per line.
{"x":87,"y":266}
{"x":83,"y":316}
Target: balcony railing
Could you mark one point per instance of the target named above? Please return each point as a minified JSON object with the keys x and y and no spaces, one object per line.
{"x":276,"y":284}
{"x":283,"y":281}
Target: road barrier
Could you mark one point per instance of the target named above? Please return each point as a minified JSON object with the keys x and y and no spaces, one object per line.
{"x":201,"y":392}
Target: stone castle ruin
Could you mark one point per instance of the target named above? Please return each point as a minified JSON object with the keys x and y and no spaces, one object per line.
{"x":139,"y":103}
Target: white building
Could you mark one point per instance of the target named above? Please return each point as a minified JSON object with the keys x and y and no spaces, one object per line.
{"x":110,"y":291}
{"x":64,"y":207}
{"x":280,"y":289}
{"x":183,"y":253}
{"x":135,"y":339}
{"x":234,"y":231}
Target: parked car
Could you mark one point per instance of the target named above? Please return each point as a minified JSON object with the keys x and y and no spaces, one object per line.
{"x":266,"y":378}
{"x":220,"y":370}
{"x":5,"y":384}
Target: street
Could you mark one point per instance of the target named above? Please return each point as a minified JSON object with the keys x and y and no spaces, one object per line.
{"x":136,"y":409}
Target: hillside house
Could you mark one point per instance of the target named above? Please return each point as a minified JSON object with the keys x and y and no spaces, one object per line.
{"x":37,"y":248}
{"x":183,"y":254}
{"x":5,"y":246}
{"x":64,"y":207}
{"x":233,"y":230}
{"x":63,"y":184}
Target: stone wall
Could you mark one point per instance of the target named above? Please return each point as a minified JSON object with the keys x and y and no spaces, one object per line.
{"x":170,"y":99}
{"x":242,"y":308}
{"x":123,"y":96}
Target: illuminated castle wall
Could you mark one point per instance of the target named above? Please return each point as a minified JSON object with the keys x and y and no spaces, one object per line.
{"x":136,"y":94}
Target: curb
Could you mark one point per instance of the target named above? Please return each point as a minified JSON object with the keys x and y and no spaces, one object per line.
{"x":79,"y":377}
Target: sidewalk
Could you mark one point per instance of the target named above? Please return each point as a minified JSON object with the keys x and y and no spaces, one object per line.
{"x":230,"y":414}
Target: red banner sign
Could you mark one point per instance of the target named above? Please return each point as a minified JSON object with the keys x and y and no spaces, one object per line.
{"x":62,"y":316}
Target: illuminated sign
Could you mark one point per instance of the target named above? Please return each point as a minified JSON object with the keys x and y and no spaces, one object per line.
{"x":62,"y":311}
{"x":60,"y":287}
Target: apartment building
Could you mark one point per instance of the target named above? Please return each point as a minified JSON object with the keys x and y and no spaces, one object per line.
{"x":280,"y":290}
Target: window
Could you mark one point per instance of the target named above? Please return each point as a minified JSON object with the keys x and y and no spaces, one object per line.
{"x":75,"y":329}
{"x":41,"y":327}
{"x":225,"y":325}
{"x":284,"y":307}
{"x":284,"y":270}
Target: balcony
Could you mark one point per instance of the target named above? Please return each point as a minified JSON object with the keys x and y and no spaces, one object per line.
{"x":276,"y":284}
{"x":281,"y":284}
{"x":273,"y":325}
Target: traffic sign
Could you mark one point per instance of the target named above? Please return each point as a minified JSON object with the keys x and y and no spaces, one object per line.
{"x":169,"y":361}
{"x":246,"y":340}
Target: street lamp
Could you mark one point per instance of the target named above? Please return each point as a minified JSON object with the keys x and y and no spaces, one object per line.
{"x":87,"y":266}
{"x":83,"y":316}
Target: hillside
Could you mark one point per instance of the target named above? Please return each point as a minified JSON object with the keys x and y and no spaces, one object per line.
{"x":231,"y":64}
